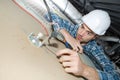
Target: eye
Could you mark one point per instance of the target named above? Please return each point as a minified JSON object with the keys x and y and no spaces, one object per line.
{"x":89,"y":33}
{"x":82,"y":27}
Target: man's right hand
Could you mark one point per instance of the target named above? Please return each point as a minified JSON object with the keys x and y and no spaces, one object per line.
{"x":73,"y":64}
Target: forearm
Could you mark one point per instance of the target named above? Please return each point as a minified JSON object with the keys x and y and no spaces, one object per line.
{"x":108,"y":71}
{"x":64,"y":33}
{"x":90,"y":73}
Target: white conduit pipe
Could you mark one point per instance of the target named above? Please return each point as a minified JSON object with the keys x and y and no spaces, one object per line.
{"x":68,"y":9}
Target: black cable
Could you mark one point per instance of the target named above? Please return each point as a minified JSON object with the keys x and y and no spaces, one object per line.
{"x":65,"y":7}
{"x":50,"y":17}
{"x":48,"y":10}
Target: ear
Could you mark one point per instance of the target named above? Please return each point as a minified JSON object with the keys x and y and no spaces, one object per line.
{"x":96,"y":36}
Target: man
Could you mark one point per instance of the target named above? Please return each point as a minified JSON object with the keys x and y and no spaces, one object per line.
{"x":81,"y":38}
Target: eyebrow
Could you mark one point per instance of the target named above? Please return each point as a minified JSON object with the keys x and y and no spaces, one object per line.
{"x":84,"y":25}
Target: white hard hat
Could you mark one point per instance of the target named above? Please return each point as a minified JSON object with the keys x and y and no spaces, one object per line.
{"x":98,"y":21}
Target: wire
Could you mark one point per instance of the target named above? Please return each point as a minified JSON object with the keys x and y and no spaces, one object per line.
{"x":65,"y":6}
{"x":48,"y":10}
{"x":53,"y":52}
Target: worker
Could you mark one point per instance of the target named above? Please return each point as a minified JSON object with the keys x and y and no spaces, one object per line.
{"x":81,"y":37}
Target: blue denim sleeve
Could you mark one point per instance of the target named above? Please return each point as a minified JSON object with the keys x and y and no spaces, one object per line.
{"x":109,"y":71}
{"x":113,"y":75}
{"x":62,"y":24}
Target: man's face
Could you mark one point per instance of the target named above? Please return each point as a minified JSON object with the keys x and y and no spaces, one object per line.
{"x":84,"y":34}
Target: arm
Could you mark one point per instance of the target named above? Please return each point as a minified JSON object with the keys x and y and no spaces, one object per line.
{"x":73,"y":64}
{"x":109,"y":71}
{"x":62,"y":24}
{"x":75,"y":44}
{"x":67,"y":29}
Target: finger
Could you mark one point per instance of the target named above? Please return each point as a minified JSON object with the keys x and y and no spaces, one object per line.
{"x":72,"y":71}
{"x":69,"y":70}
{"x":67,"y":64}
{"x":80,"y":49}
{"x":64,"y":58}
{"x":65,"y":51}
{"x":75,"y":48}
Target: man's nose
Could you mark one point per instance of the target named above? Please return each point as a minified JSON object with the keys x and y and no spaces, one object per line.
{"x":83,"y":33}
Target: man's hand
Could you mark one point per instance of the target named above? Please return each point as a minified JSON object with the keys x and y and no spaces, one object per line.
{"x":75,"y":44}
{"x":72,"y":64}
{"x":71,"y":61}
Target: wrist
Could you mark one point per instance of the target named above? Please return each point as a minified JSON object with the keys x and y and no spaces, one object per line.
{"x":90,"y":73}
